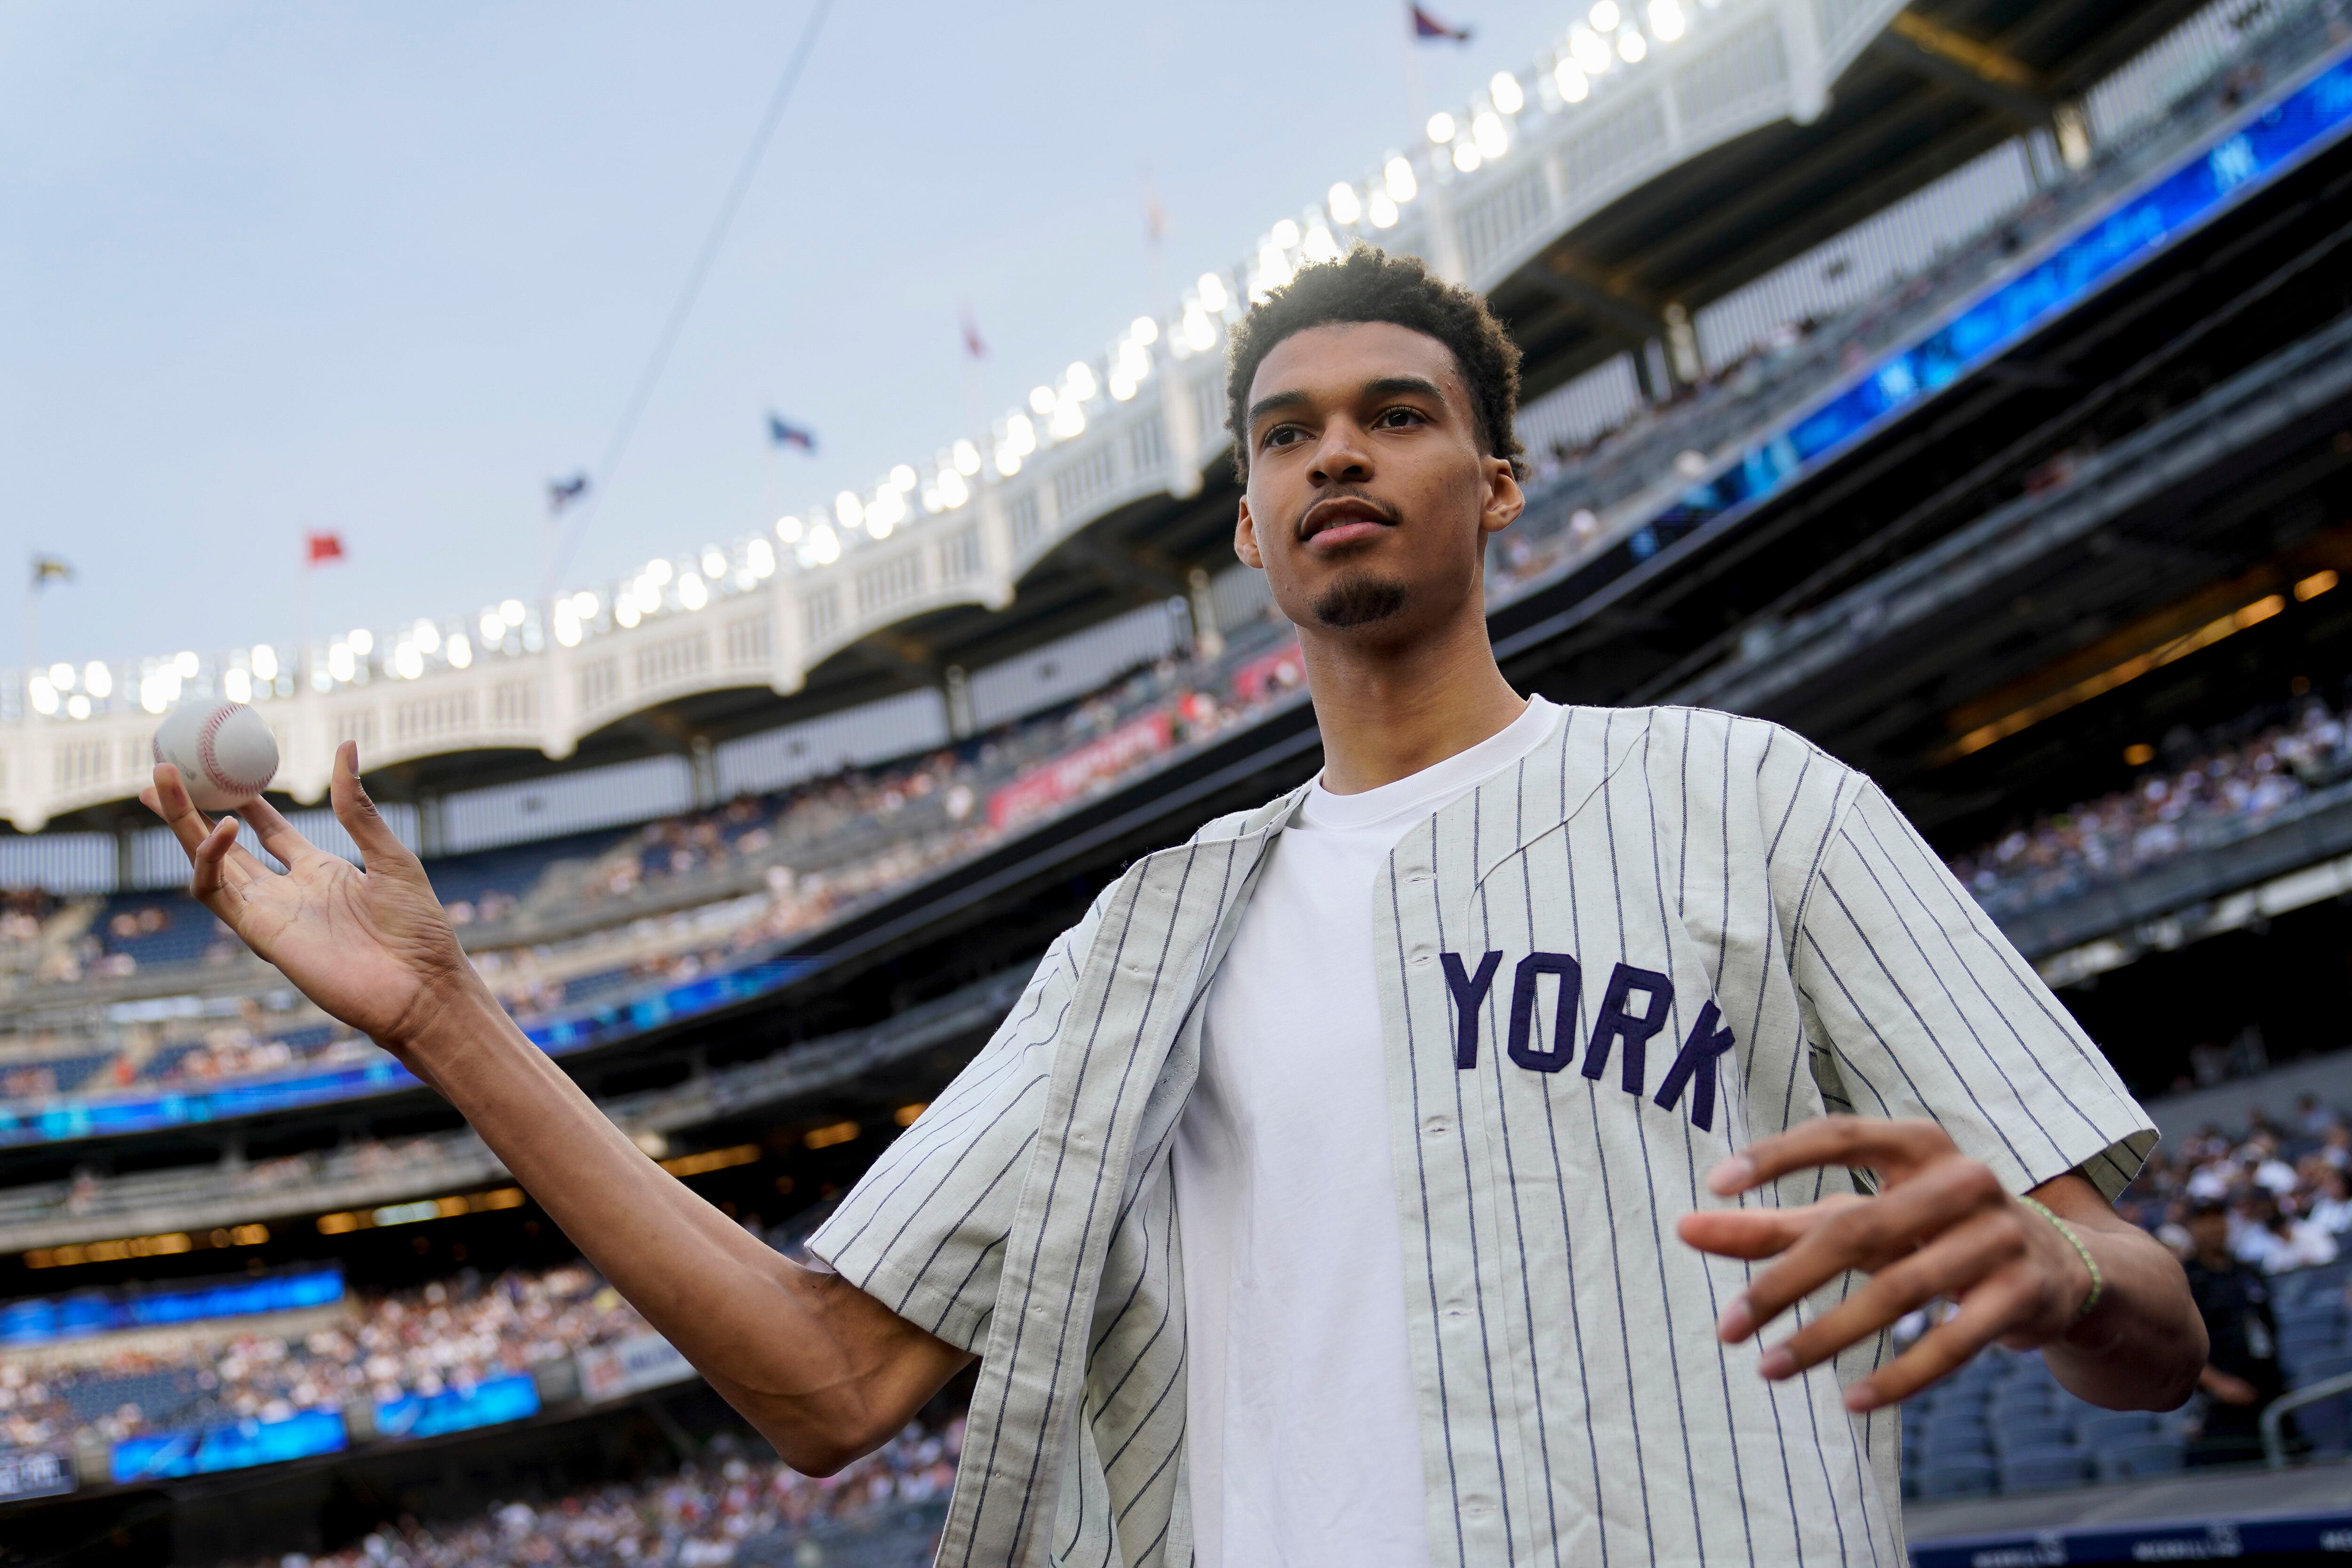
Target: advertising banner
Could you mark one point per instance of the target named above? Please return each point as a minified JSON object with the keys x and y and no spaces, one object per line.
{"x":624,"y":1366}
{"x":1066,"y":777}
{"x":200,"y":1450}
{"x":35,"y":1472}
{"x":459,"y":1409}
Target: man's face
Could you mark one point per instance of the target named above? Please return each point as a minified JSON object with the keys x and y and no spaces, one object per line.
{"x":1370,"y":495}
{"x":2210,"y":1230}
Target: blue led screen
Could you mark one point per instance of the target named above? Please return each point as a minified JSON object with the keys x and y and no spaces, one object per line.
{"x":235,"y":1446}
{"x":44,"y":1318}
{"x":459,"y":1409}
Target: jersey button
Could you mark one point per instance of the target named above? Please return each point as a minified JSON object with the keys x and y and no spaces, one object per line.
{"x":1434,"y":1127}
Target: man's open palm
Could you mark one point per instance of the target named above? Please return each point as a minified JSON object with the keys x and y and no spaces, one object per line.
{"x":372,"y":947}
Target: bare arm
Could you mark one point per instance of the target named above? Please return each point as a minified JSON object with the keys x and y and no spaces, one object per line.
{"x":1942,"y":1225}
{"x":823,"y":1370}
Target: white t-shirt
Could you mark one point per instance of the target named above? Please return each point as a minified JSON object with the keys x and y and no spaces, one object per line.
{"x":1303,"y":1434}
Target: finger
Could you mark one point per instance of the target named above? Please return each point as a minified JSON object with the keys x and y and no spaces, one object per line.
{"x":1866,"y":1236}
{"x":1890,"y":1147}
{"x":1953,"y":1264}
{"x":380,"y":849}
{"x":277,"y":835}
{"x":210,"y":859}
{"x":1985,"y":1313}
{"x":1760,"y":1232}
{"x":178,"y":812}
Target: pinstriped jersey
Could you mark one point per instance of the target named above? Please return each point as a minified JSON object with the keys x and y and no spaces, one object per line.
{"x":1665,"y":933}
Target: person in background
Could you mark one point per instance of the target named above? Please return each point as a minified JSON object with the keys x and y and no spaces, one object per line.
{"x":2241,"y":1374}
{"x":2332,"y":1210}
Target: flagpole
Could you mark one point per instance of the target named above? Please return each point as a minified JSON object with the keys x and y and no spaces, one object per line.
{"x":1445,"y":251}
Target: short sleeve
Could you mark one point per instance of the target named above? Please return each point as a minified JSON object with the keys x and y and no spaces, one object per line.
{"x":923,"y":1230}
{"x":1927,"y":1010}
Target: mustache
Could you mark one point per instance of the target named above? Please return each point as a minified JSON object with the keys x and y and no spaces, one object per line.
{"x":1388,"y":514}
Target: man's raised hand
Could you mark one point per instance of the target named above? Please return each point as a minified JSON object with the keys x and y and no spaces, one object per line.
{"x":372,"y":948}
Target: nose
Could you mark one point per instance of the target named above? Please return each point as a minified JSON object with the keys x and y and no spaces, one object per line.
{"x":1342,"y":456}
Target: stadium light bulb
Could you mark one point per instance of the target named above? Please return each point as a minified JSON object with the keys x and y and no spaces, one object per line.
{"x":1041,"y":400}
{"x":1667,"y":21}
{"x":264,"y":668}
{"x":512,"y":611}
{"x":1589,"y":50}
{"x":493,"y":628}
{"x":1144,"y":331}
{"x":953,"y":491}
{"x":692,"y":591}
{"x":1008,"y":461}
{"x":760,"y":557}
{"x":585,"y":604}
{"x":426,"y":636}
{"x":1509,"y":96}
{"x":1020,"y":435}
{"x":848,"y":511}
{"x":903,"y":478}
{"x":1122,"y":390}
{"x":341,"y":663}
{"x":77,"y":706}
{"x":1200,"y":332}
{"x":1492,"y":137}
{"x":61,"y":676}
{"x":1441,"y":127}
{"x":410,"y":659}
{"x":187,"y":664}
{"x":1285,"y":234}
{"x":235,"y":685}
{"x":461,"y":652}
{"x":1273,"y":268}
{"x":659,"y":571}
{"x":967,"y":458}
{"x":1213,"y":293}
{"x":1381,"y":210}
{"x":626,"y":615}
{"x":1081,"y":380}
{"x":1398,"y":181}
{"x":824,"y":546}
{"x":1466,"y":157}
{"x":1319,"y":245}
{"x":1634,"y":48}
{"x":362,"y":643}
{"x":1605,"y":16}
{"x":1342,"y":200}
{"x":45,"y":696}
{"x":1574,"y":86}
{"x":1069,"y":420}
{"x":714,"y":564}
{"x":99,"y":681}
{"x":932,"y":504}
{"x":788,"y":529}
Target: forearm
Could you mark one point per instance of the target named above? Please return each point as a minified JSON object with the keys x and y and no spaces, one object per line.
{"x":2143,"y":1346}
{"x":822,"y":1370}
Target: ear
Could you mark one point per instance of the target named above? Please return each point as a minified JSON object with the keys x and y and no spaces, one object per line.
{"x":1245,"y":537}
{"x":1505,"y":500}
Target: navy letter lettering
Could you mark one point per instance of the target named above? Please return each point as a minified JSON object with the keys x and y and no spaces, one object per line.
{"x":1563,"y":1018}
{"x":1469,"y":996}
{"x":1695,"y":1065}
{"x":1635,"y":1028}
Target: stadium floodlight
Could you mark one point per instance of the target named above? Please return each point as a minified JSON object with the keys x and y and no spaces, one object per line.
{"x":1041,"y":400}
{"x":1145,"y":330}
{"x":1441,"y":127}
{"x":187,"y":664}
{"x":1589,"y":50}
{"x":1008,"y":461}
{"x":461,"y":652}
{"x":1397,"y":180}
{"x":1667,"y":20}
{"x":1573,"y":84}
{"x":493,"y":628}
{"x":967,"y":458}
{"x":1466,"y":156}
{"x":1213,"y":292}
{"x":1285,"y":234}
{"x":341,"y":662}
{"x":788,"y":529}
{"x":626,"y":613}
{"x":953,"y":491}
{"x":584,"y":604}
{"x":236,"y":685}
{"x":410,"y":661}
{"x":77,"y":706}
{"x":426,"y":636}
{"x":1632,"y":45}
{"x":760,"y":557}
{"x":1200,"y":332}
{"x":1381,"y":210}
{"x":1319,"y":245}
{"x":824,"y":547}
{"x":1509,"y":96}
{"x":714,"y":562}
{"x":100,"y":682}
{"x":44,"y":695}
{"x":848,"y":511}
{"x":1493,"y":138}
{"x":692,"y":591}
{"x":1341,"y":199}
{"x":1272,"y":268}
{"x":1080,"y":380}
{"x":61,"y":676}
{"x":1020,"y":435}
{"x":658,"y":571}
{"x":1605,"y":16}
{"x":512,"y":611}
{"x":1069,"y":421}
{"x":903,"y":477}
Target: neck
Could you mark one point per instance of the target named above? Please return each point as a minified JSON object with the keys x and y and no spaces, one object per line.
{"x":1389,"y":711}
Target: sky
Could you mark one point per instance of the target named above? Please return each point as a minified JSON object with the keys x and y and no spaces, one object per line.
{"x":388,"y":270}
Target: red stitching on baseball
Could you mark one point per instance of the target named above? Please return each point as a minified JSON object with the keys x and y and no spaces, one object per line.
{"x":211,"y":762}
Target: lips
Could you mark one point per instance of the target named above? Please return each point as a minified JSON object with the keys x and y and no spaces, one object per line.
{"x":1343,"y":518}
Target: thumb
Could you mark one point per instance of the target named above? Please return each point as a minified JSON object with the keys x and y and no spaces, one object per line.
{"x":381,"y":847}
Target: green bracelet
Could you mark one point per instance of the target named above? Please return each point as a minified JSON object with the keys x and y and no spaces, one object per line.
{"x":2098,"y":1282}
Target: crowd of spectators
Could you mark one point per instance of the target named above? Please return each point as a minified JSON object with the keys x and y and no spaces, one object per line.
{"x":2211,"y":789}
{"x":2286,"y":1186}
{"x":731,"y":1509}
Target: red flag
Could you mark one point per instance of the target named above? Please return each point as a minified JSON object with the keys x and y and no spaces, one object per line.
{"x":971,"y":342}
{"x":1425,"y":26}
{"x":321,"y":548}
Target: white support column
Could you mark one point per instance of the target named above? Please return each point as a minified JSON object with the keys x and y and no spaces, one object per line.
{"x":309,"y":760}
{"x":1181,"y":421}
{"x":787,"y":634}
{"x":995,"y":542}
{"x":559,"y":698}
{"x":1809,"y":88}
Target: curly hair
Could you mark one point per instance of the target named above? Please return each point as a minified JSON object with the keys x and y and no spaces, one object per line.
{"x":1368,"y":284}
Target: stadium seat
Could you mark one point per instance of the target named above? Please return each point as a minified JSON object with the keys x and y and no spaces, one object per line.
{"x":2136,"y":1460}
{"x":2044,"y":1469}
{"x":2030,"y":1433}
{"x":2109,"y":1428}
{"x":1962,"y":1477}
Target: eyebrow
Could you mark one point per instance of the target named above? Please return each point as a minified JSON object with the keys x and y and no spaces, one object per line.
{"x":1378,"y":386}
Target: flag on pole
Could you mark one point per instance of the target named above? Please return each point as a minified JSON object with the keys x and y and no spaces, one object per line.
{"x":318,"y":549}
{"x":563,"y":493}
{"x":49,"y":568}
{"x":972,"y":345}
{"x":1425,"y":26}
{"x":783,"y":435}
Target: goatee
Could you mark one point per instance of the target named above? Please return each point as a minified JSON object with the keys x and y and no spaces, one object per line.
{"x":1359,"y":600}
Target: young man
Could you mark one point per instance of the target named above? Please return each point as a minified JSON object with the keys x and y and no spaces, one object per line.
{"x":2241,"y":1375}
{"x":1380,"y":1177}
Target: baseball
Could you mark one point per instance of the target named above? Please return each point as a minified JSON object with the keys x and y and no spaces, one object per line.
{"x":224,"y":751}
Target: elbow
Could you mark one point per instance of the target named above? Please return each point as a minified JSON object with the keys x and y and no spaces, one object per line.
{"x":830,"y":1445}
{"x":819,"y":1456}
